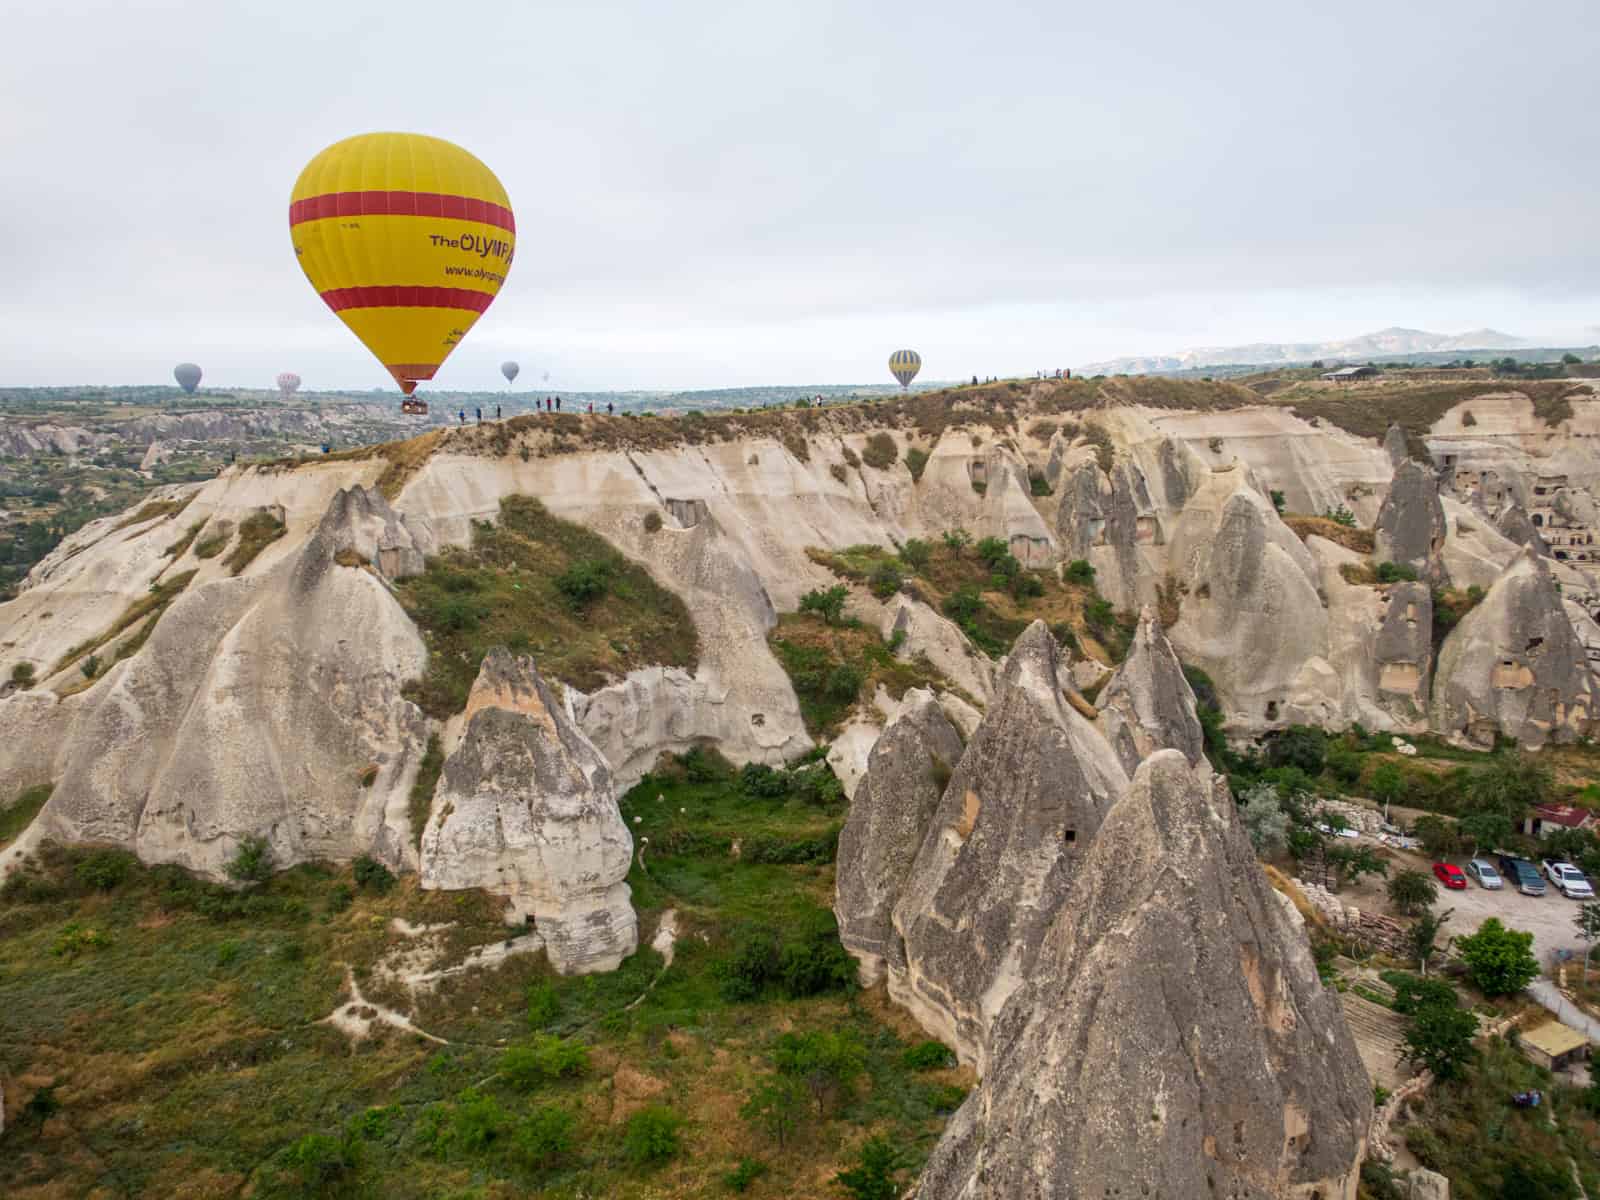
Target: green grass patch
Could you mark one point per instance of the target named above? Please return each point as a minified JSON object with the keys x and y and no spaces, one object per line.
{"x":834,"y":667}
{"x":151,"y":605}
{"x":19,"y":814}
{"x":421,"y":801}
{"x":150,"y":510}
{"x":544,"y":586}
{"x":256,"y":533}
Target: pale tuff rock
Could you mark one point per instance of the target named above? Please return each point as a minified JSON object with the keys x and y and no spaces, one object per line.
{"x":157,"y":454}
{"x":941,"y":642}
{"x":848,"y":755}
{"x":1148,"y":704}
{"x":1411,"y":525}
{"x":1173,"y":1038}
{"x":1475,"y":552}
{"x":1394,"y":445}
{"x":1001,"y":850}
{"x":265,"y":705}
{"x":1403,"y":652}
{"x":1251,"y":616}
{"x":1514,"y":666}
{"x":889,"y":814}
{"x":1516,"y":526}
{"x":359,"y":521}
{"x":526,"y":808}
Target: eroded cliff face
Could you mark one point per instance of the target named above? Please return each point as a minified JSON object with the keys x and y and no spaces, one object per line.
{"x":1001,"y":849}
{"x":1172,"y":1038}
{"x":526,"y":809}
{"x":1147,"y":705}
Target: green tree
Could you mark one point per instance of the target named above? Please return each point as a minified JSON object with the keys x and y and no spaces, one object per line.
{"x":545,"y":1135}
{"x":827,"y":603}
{"x":1350,"y":862}
{"x":1079,"y":571}
{"x":1264,"y":819}
{"x":1511,"y":784}
{"x":957,"y":540}
{"x":1388,"y":785}
{"x":1422,"y":939}
{"x":252,"y":862}
{"x":1570,"y":359}
{"x":1500,"y":961}
{"x":1412,"y":892}
{"x":916,"y":553}
{"x":775,"y":1107}
{"x":652,"y":1136}
{"x":1437,"y":835}
{"x":827,"y":1063}
{"x":1484,"y":829}
{"x":873,"y":1176}
{"x":1439,"y":1039}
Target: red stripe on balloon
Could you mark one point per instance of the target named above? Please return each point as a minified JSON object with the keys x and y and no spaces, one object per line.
{"x":396,"y":296}
{"x":401,"y":204}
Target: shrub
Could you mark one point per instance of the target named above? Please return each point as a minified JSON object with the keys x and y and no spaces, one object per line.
{"x":826,"y":603}
{"x":545,"y":1135}
{"x":543,"y":1059}
{"x":90,"y":666}
{"x":1413,"y":993}
{"x":74,"y":939}
{"x":963,"y":605}
{"x":993,"y":551}
{"x":103,"y":870}
{"x":1412,"y":892}
{"x":1079,"y":572}
{"x":956,"y":540}
{"x":22,"y":675}
{"x":476,"y":1121}
{"x":928,"y":1056}
{"x":775,"y":1107}
{"x":873,"y":1176}
{"x":584,"y":582}
{"x":1393,"y":572}
{"x":544,"y":1004}
{"x":880,"y":451}
{"x":916,"y":462}
{"x":652,"y":1135}
{"x":652,"y":521}
{"x":844,"y":682}
{"x":816,"y":965}
{"x":742,"y":1176}
{"x":827,"y":1063}
{"x":252,"y":862}
{"x":1038,"y":484}
{"x":752,"y":966}
{"x":916,"y":554}
{"x":1026,"y":586}
{"x":320,"y":1160}
{"x":885,"y":580}
{"x":1500,"y":961}
{"x":372,"y":875}
{"x":1302,"y":746}
{"x":1341,"y":516}
{"x":760,"y":781}
{"x":1439,"y":1038}
{"x":1277,"y":500}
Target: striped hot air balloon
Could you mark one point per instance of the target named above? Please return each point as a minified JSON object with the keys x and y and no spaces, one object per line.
{"x":408,"y":238}
{"x":904,"y":365}
{"x":288,"y":383}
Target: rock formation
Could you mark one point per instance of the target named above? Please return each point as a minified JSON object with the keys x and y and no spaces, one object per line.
{"x":1000,"y":853}
{"x":1403,"y":650}
{"x":1394,"y":445}
{"x":526,"y":809}
{"x":1148,"y":705}
{"x":360,"y":522}
{"x":1173,"y":1038}
{"x":889,"y":814}
{"x":1515,"y":666}
{"x":1411,"y":525}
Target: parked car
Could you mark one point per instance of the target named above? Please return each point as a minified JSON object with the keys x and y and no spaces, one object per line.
{"x":1483,"y":871}
{"x":1522,"y":875}
{"x":1568,"y":879}
{"x":1450,"y":875}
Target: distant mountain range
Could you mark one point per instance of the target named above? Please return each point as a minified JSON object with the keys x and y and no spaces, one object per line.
{"x":1385,"y":343}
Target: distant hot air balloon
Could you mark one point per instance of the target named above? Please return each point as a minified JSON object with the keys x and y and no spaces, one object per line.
{"x":188,"y":376}
{"x":510,"y":371}
{"x":408,"y":238}
{"x":288,"y":383}
{"x":904,"y":365}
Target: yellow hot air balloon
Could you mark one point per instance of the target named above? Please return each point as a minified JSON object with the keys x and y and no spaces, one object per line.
{"x":408,"y":238}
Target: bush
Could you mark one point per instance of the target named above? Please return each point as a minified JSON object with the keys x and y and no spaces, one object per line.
{"x":371,"y":875}
{"x":1277,"y":500}
{"x":90,"y":666}
{"x":320,"y":1160}
{"x":928,"y":1056}
{"x":816,"y":965}
{"x":1026,"y":586}
{"x":751,"y":968}
{"x":544,"y":1004}
{"x":476,"y":1121}
{"x":873,"y":1176}
{"x":584,"y":582}
{"x":545,"y":1135}
{"x":1301,"y":746}
{"x":252,"y":862}
{"x":543,"y":1059}
{"x":992,"y":551}
{"x":775,"y":1107}
{"x":1079,"y":572}
{"x":885,"y":580}
{"x":827,"y":1063}
{"x":1412,"y":892}
{"x":963,"y":605}
{"x":103,"y":870}
{"x":1500,"y":961}
{"x":1413,"y":992}
{"x":956,"y":540}
{"x":759,"y":781}
{"x":826,"y":603}
{"x":1439,"y":1038}
{"x":652,"y":521}
{"x":22,"y":675}
{"x":844,"y":683}
{"x":1341,"y":516}
{"x":652,"y":1136}
{"x":916,"y":462}
{"x":880,"y":451}
{"x":742,"y":1176}
{"x":74,"y":939}
{"x":1393,"y":572}
{"x":1038,"y":485}
{"x":916,"y":553}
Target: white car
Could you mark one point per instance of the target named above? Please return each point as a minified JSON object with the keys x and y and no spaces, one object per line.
{"x":1568,"y":879}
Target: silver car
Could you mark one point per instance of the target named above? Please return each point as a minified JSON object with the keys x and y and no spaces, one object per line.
{"x":1483,"y":871}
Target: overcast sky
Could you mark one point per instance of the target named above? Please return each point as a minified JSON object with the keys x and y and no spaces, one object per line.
{"x":718,"y":194}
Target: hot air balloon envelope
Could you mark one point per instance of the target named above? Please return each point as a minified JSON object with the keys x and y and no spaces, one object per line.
{"x":288,"y":383}
{"x":408,"y":238}
{"x":904,"y":365}
{"x":188,"y":376}
{"x":510,"y":370}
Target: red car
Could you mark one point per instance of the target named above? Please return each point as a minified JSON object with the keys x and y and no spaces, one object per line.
{"x":1450,"y":876}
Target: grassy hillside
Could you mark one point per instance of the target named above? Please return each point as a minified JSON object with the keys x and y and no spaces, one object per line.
{"x":162,"y":1036}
